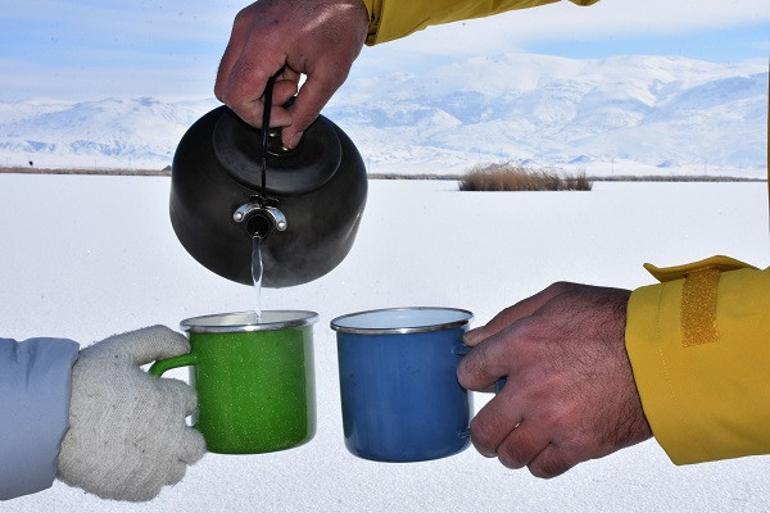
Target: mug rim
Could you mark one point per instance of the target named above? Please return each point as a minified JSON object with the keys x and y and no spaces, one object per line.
{"x":212,"y":323}
{"x":466,"y":317}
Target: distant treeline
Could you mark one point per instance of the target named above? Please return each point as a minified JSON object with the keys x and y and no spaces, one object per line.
{"x":619,"y":178}
{"x":85,"y":171}
{"x":374,"y":176}
{"x":680,"y":178}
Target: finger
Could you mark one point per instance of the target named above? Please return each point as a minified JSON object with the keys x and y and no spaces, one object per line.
{"x":289,"y":74}
{"x":235,"y":45}
{"x":231,"y":55}
{"x":482,"y":367}
{"x":521,"y":445}
{"x":279,"y":116}
{"x":246,"y":84}
{"x":193,"y":446}
{"x":181,"y":395}
{"x":520,"y":310}
{"x":143,"y":493}
{"x":251,"y":112}
{"x":282,"y":91}
{"x":494,"y":422}
{"x":551,"y":462}
{"x":491,"y":360}
{"x":175,"y":473}
{"x":147,"y":344}
{"x":315,"y":92}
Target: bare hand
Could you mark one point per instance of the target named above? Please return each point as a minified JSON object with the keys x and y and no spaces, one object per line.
{"x":570,"y":394}
{"x":320,"y":39}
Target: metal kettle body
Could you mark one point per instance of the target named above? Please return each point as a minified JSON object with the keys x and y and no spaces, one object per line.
{"x":305,"y":209}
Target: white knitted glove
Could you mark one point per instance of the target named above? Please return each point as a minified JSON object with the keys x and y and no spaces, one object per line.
{"x":127,"y":436}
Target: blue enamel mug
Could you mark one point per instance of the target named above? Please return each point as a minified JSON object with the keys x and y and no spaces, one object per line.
{"x":398,"y":383}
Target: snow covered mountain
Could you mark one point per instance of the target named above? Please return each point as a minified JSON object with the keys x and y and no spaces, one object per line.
{"x":633,"y":114}
{"x":113,"y":133}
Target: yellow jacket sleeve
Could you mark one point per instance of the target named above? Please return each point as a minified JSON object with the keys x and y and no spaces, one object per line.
{"x":699,"y":345}
{"x":392,"y":19}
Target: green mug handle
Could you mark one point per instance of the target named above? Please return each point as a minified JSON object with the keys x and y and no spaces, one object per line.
{"x":158,"y":368}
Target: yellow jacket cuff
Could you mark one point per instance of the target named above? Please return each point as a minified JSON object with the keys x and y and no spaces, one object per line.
{"x":393,"y":19}
{"x":699,"y":346}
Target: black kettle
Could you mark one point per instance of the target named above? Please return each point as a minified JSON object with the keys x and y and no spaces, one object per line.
{"x":305,"y":204}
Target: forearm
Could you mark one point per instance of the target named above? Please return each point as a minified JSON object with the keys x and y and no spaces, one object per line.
{"x":35,"y":384}
{"x":393,"y":19}
{"x":699,"y":344}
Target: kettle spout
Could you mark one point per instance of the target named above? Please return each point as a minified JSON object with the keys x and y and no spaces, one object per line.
{"x":260,"y":220}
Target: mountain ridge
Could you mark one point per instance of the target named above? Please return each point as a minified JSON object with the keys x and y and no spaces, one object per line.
{"x":639,"y":114}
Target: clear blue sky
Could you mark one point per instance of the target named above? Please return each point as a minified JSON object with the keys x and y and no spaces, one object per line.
{"x":733,"y":44}
{"x":96,"y":48}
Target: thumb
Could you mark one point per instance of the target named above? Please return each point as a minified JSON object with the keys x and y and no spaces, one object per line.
{"x":520,"y":310}
{"x":147,"y":344}
{"x":312,"y":97}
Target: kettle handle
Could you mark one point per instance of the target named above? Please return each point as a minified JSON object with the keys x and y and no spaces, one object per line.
{"x":267,"y":106}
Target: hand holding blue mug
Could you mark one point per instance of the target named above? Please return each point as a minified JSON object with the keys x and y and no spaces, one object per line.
{"x":570,"y":394}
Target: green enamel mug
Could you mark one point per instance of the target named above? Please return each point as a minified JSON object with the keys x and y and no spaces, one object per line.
{"x":254,"y":379}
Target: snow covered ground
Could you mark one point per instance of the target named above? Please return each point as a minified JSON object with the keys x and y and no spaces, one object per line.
{"x":85,"y":257}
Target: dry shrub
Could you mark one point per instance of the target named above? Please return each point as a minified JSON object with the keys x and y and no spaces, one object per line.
{"x":508,"y":177}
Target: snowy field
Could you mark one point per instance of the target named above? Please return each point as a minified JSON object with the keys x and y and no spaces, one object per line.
{"x":86,"y":257}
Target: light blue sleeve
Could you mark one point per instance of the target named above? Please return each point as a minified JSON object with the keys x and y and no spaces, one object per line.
{"x":35,"y":386}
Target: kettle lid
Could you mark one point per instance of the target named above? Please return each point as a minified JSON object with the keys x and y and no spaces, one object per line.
{"x":291,"y":172}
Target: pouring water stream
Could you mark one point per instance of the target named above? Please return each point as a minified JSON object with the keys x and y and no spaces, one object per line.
{"x":256,"y":243}
{"x":256,"y":275}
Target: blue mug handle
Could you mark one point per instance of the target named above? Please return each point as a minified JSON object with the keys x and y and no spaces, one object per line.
{"x":461,"y":351}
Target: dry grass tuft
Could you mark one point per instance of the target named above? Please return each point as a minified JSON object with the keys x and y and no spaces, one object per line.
{"x":85,"y":171}
{"x":508,"y":177}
